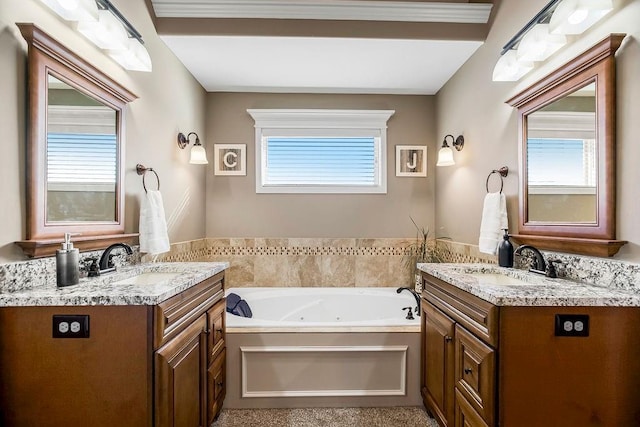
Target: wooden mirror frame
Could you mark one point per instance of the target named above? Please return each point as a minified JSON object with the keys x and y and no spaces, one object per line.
{"x":595,"y":65}
{"x":47,"y":56}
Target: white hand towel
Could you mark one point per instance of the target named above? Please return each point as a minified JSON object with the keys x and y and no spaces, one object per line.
{"x":154,"y":238}
{"x":494,"y":221}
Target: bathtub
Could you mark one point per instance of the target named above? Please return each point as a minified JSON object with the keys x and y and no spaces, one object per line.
{"x":323,"y":347}
{"x":323,"y":309}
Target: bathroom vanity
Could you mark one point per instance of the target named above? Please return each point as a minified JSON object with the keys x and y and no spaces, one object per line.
{"x":142,"y":347}
{"x":503,"y":347}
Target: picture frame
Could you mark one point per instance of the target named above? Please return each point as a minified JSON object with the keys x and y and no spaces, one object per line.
{"x":230,"y":159}
{"x":411,"y":161}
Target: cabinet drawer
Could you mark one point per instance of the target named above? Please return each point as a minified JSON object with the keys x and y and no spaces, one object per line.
{"x":465,"y":415}
{"x":216,"y":386}
{"x":173,"y":315}
{"x":215,"y":337}
{"x":475,"y":373}
{"x":476,"y":315}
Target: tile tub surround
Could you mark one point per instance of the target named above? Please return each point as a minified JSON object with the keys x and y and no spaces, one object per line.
{"x":337,"y":262}
{"x":41,"y":272}
{"x":326,"y":417}
{"x":306,"y":262}
{"x":541,"y":291}
{"x":103,"y":290}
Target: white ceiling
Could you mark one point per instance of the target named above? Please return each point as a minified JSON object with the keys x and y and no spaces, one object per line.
{"x":320,"y":65}
{"x":266,"y":63}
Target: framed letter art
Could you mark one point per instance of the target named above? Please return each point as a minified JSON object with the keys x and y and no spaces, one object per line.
{"x":230,"y":159}
{"x":411,"y":160}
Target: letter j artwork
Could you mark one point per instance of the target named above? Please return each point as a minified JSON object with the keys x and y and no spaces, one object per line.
{"x":411,"y":161}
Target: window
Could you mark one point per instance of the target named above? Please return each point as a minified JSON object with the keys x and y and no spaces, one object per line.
{"x":81,"y":148}
{"x":321,"y":151}
{"x":561,"y":153}
{"x":81,"y":162}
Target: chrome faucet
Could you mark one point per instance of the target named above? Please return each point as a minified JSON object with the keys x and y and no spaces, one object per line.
{"x":105,"y":265}
{"x":415,"y":295}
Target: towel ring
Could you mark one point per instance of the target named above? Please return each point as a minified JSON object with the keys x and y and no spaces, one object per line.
{"x":502,"y":172}
{"x":141,"y":170}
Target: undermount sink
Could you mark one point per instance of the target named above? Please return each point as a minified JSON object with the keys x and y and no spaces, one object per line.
{"x":498,"y":279}
{"x":148,"y":279}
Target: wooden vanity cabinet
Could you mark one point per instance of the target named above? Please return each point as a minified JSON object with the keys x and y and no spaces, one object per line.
{"x":437,"y":362}
{"x":141,"y":366}
{"x":484,"y":365}
{"x":189,"y":365}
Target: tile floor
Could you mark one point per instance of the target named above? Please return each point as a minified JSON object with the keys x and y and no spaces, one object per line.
{"x":326,"y":417}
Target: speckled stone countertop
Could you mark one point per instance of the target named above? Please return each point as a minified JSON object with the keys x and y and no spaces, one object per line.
{"x":105,"y":290}
{"x":526,"y":289}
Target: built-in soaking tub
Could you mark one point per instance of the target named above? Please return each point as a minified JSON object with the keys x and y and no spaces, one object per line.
{"x":323,"y":347}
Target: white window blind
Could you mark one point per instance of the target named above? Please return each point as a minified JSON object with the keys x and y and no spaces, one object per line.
{"x":320,"y":151}
{"x":75,"y":160}
{"x":562,"y":164}
{"x":321,"y":161}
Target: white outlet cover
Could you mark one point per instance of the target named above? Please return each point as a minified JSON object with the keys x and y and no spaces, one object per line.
{"x":75,"y":327}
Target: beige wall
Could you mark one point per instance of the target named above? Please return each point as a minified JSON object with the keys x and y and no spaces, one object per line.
{"x":170,"y":99}
{"x":471,"y":104}
{"x":235,"y":210}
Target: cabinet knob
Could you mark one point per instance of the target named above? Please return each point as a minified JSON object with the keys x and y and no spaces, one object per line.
{"x":448,"y":338}
{"x":220,"y":330}
{"x":220,"y":384}
{"x":468,"y":371}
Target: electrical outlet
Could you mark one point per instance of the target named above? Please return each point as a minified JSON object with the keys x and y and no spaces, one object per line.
{"x":70,"y":326}
{"x":572,"y":325}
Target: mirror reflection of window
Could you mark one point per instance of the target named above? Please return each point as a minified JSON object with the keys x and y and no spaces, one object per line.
{"x":562,"y":160}
{"x":81,"y":156}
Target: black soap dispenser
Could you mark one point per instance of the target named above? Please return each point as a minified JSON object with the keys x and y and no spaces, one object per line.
{"x":505,"y":251}
{"x":67,"y":263}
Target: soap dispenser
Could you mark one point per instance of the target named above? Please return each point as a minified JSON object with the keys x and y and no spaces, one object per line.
{"x":67,"y":263}
{"x":505,"y":251}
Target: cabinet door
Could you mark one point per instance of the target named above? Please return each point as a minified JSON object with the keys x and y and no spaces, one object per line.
{"x":215,"y":328}
{"x":475,"y":373}
{"x":465,"y":415}
{"x":180,"y":372}
{"x":438,"y":363}
{"x":216,"y":386}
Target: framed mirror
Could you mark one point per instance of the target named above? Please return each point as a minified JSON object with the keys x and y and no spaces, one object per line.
{"x":566,"y":124}
{"x":74,"y":150}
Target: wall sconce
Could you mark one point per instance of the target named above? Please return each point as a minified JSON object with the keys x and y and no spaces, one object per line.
{"x":445,"y":155}
{"x":198,"y":153}
{"x":545,"y":34}
{"x":104,"y":25}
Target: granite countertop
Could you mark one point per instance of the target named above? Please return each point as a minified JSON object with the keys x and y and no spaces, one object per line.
{"x":105,"y":290}
{"x":526,"y":289}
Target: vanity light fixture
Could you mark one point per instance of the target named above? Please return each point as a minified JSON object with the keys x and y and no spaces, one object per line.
{"x":104,"y":25}
{"x":198,"y":153}
{"x":545,"y":34}
{"x":445,"y":155}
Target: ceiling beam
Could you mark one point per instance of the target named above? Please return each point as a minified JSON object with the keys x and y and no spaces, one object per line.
{"x":316,"y":28}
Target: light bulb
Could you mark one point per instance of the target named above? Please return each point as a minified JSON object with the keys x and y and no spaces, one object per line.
{"x":445,"y":157}
{"x":198,"y":155}
{"x":578,"y":16}
{"x":69,"y":4}
{"x":509,"y":69}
